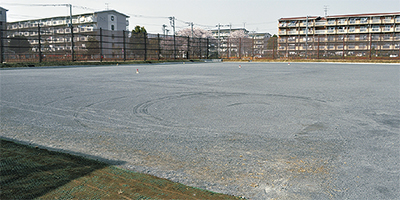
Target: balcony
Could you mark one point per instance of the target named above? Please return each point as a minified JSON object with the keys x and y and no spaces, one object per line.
{"x":388,"y":21}
{"x":320,"y":23}
{"x":376,"y":21}
{"x":321,"y":31}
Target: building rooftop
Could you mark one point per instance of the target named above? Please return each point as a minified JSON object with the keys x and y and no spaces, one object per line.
{"x":67,"y":16}
{"x":340,"y":16}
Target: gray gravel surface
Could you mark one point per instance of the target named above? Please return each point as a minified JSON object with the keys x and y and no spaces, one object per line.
{"x":262,"y":131}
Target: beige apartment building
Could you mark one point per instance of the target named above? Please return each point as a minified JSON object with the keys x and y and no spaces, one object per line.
{"x":55,"y":32}
{"x":358,"y":35}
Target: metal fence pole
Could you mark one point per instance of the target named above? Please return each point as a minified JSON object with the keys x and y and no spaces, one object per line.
{"x":208,"y":48}
{"x":101,"y":44}
{"x":159,"y":46}
{"x":188,"y":46}
{"x":145,"y":46}
{"x":124,"y":44}
{"x":199,"y":45}
{"x":2,"y":45}
{"x":72,"y":43}
{"x":40,"y":44}
{"x":174,"y":47}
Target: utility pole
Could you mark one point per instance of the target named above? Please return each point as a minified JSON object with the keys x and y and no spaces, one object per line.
{"x":172,"y":22}
{"x":164,"y":29}
{"x":219,"y":31}
{"x":191,"y":26}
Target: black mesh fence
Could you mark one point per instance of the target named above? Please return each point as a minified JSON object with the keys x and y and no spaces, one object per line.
{"x":40,"y":44}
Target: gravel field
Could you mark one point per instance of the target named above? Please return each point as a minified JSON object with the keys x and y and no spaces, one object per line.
{"x":262,"y":131}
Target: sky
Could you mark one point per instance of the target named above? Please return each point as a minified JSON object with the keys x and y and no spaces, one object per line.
{"x":255,"y":15}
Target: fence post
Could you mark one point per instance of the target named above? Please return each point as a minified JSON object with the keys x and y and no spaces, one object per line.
{"x":145,"y":46}
{"x":188,"y":46}
{"x":2,"y":45}
{"x":124,"y":44}
{"x":343,"y":46}
{"x":40,"y":44}
{"x":318,"y":47}
{"x":240,"y":48}
{"x":252,"y":48}
{"x":199,"y":45}
{"x":72,"y":43}
{"x":174,"y":48}
{"x":159,"y":46}
{"x":273,"y":47}
{"x":101,"y":45}
{"x":208,"y":48}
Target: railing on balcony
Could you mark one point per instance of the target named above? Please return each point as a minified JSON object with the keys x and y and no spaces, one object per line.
{"x":320,"y":31}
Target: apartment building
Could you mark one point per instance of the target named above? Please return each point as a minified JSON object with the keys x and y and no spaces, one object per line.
{"x":55,"y":32}
{"x":259,"y":41}
{"x":3,"y":18}
{"x":376,"y":34}
{"x":239,"y":42}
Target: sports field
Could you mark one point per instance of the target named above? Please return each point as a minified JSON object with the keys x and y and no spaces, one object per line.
{"x":257,"y":130}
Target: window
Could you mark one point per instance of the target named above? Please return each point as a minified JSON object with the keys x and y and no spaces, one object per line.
{"x":352,"y":29}
{"x":363,"y":37}
{"x":363,"y":29}
{"x":375,"y":28}
{"x":342,"y":21}
{"x":387,"y":28}
{"x":112,"y":18}
{"x":353,"y":20}
{"x":386,"y":37}
{"x":375,"y":37}
{"x":376,"y":20}
{"x":364,"y":20}
{"x":386,"y":46}
{"x":388,"y":19}
{"x":112,"y":27}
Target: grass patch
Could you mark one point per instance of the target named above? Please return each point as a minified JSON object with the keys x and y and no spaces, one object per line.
{"x":33,"y":173}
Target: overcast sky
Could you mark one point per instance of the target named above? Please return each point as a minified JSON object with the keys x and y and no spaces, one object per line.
{"x":254,"y":15}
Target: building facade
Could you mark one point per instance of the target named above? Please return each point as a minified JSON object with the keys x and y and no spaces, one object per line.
{"x":3,"y":18}
{"x":56,"y":34}
{"x":367,"y":35}
{"x":239,"y":42}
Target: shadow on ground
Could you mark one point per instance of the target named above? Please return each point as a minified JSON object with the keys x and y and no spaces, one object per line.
{"x":31,"y":172}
